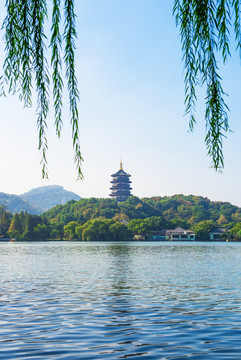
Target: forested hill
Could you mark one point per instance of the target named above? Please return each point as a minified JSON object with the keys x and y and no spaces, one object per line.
{"x":99,"y":219}
{"x":186,"y":210}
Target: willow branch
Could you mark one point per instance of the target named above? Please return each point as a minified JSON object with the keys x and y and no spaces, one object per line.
{"x":41,"y":77}
{"x":56,"y":64}
{"x":70,"y":35}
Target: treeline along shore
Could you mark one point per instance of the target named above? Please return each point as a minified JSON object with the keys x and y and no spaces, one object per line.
{"x":105,"y":220}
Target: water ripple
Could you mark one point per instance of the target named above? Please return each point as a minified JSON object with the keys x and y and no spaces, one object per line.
{"x":120,"y":300}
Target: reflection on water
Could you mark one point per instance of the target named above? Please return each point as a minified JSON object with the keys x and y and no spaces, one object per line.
{"x":120,"y":300}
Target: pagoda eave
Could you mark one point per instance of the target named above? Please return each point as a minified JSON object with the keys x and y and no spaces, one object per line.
{"x":120,"y":185}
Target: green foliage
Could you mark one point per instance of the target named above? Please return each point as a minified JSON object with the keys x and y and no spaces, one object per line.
{"x":237,"y":216}
{"x":103,"y":230}
{"x":174,"y":223}
{"x":96,"y":230}
{"x":192,"y":208}
{"x":55,"y":234}
{"x":30,"y":223}
{"x":16,"y":227}
{"x":87,"y":209}
{"x":205,"y":36}
{"x":70,"y":35}
{"x":42,"y":232}
{"x":119,"y":232}
{"x":144,"y":226}
{"x":25,"y":63}
{"x":69,"y":230}
{"x":24,"y":226}
{"x":101,"y":219}
{"x":56,"y":42}
{"x":177,"y":210}
{"x":236,"y":231}
{"x":203,"y":228}
{"x":222,"y":220}
{"x":5,"y":220}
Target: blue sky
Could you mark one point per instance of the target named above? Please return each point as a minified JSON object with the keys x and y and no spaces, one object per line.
{"x":130,"y":72}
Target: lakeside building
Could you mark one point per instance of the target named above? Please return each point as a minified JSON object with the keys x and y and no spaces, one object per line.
{"x":177,"y":234}
{"x":120,"y":185}
{"x":218,"y":234}
{"x":180,"y":234}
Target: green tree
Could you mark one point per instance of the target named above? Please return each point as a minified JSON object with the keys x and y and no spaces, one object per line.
{"x":179,"y":222}
{"x":78,"y":231}
{"x":15,"y":229}
{"x":69,"y":230}
{"x":31,"y":221}
{"x":237,"y":216}
{"x":138,"y":226}
{"x":222,"y":220}
{"x":96,"y":230}
{"x":55,"y":234}
{"x":203,"y":228}
{"x":2,"y":210}
{"x":5,"y":220}
{"x":41,"y":232}
{"x":103,"y":230}
{"x":236,"y":231}
{"x":144,"y":226}
{"x":120,"y":231}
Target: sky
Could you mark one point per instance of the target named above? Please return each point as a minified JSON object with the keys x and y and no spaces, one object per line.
{"x":130,"y":74}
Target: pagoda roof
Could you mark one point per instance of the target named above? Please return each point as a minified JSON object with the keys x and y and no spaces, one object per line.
{"x":121,"y":180}
{"x":121,"y":172}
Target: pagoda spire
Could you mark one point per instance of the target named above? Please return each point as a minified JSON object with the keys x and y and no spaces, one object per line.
{"x":121,"y":168}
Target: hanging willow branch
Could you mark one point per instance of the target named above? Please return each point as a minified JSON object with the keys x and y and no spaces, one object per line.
{"x":41,"y":77}
{"x":70,"y":35}
{"x":25,"y":63}
{"x":56,"y":64}
{"x":205,"y":34}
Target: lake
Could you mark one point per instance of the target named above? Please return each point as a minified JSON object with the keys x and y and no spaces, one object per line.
{"x":159,"y":300}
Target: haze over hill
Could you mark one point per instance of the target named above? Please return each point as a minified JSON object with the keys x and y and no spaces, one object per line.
{"x":15,"y":204}
{"x":45,"y":197}
{"x":37,"y":200}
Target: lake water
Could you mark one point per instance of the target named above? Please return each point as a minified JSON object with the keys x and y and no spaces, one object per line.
{"x":72,"y":300}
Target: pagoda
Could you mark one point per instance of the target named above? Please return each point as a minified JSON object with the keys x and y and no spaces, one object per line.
{"x":120,"y":185}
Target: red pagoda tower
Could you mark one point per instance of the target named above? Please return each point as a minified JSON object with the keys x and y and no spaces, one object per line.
{"x":120,"y":188}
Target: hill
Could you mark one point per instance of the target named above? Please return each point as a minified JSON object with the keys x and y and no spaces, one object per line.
{"x":37,"y":200}
{"x":14,"y":204}
{"x":185,"y":209}
{"x":45,"y":197}
{"x":103,"y":219}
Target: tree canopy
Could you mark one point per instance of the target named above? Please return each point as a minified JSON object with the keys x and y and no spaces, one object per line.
{"x":105,"y":219}
{"x":205,"y":34}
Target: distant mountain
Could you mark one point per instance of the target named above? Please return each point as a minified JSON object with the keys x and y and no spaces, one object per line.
{"x":37,"y":200}
{"x":45,"y":197}
{"x":15,"y":204}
